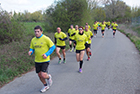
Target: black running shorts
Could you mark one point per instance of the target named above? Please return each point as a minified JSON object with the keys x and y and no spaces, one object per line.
{"x":95,"y":31}
{"x":71,"y":40}
{"x":41,"y":67}
{"x":103,"y":30}
{"x":114,"y":30}
{"x":78,"y":51}
{"x":87,"y":46}
{"x":62,"y":47}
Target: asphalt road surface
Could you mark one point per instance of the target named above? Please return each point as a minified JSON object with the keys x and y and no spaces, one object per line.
{"x":114,"y":68}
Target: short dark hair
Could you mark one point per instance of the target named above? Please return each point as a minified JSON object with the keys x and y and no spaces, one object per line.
{"x":81,"y":27}
{"x":38,"y":27}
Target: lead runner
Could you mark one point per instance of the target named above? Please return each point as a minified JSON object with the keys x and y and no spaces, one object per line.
{"x":43,"y":48}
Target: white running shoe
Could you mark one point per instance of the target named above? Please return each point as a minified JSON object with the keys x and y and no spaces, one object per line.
{"x":45,"y":88}
{"x":50,"y":80}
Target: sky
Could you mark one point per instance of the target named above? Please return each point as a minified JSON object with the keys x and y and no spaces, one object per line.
{"x":34,"y":5}
{"x":22,"y":5}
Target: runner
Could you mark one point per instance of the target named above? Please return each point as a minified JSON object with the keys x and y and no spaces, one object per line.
{"x":70,"y":31}
{"x":81,"y":40}
{"x":112,"y":25}
{"x":108,"y":24}
{"x":88,"y":26}
{"x":74,"y":34}
{"x":60,"y":38}
{"x":105,"y":23}
{"x":43,"y":47}
{"x":89,"y":35}
{"x":115,"y":25}
{"x":103,"y":29}
{"x":95,"y":26}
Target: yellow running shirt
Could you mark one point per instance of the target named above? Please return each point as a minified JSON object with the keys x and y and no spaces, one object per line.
{"x":103,"y":26}
{"x":76,"y":32}
{"x":115,"y":26}
{"x":95,"y":26}
{"x":112,"y":24}
{"x":80,"y":41}
{"x":70,"y":31}
{"x":41,"y":46}
{"x":61,"y":35}
{"x":89,"y":34}
{"x":108,"y":23}
{"x":88,"y":27}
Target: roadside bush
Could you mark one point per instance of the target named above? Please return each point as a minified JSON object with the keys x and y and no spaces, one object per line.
{"x":10,"y":29}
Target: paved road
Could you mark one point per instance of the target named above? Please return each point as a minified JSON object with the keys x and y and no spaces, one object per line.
{"x":114,"y":68}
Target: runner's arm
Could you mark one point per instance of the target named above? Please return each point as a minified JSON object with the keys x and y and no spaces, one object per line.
{"x":63,"y":39}
{"x":55,"y":40}
{"x":73,"y":34}
{"x":32,"y":51}
{"x":49,"y":52}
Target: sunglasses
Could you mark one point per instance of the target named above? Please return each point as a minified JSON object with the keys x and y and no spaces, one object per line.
{"x":80,"y":28}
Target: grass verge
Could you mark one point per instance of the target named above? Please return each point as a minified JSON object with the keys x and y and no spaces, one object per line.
{"x":14,"y":59}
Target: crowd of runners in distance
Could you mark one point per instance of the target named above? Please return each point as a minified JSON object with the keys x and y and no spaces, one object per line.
{"x":80,"y":39}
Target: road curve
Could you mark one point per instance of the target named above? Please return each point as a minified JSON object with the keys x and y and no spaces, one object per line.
{"x":114,"y":68}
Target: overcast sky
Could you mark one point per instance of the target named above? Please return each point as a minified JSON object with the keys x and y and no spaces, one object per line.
{"x":34,"y":5}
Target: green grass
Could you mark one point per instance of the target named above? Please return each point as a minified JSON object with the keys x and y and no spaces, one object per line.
{"x":30,"y":27}
{"x":14,"y":59}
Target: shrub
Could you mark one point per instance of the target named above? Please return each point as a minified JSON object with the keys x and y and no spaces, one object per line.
{"x":10,"y":29}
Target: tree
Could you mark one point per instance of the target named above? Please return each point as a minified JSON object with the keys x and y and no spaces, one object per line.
{"x":27,"y":16}
{"x":99,"y":14}
{"x":115,"y":9}
{"x":37,"y":16}
{"x":67,"y":12}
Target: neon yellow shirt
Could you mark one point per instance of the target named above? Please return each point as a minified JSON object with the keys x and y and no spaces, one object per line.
{"x":41,"y":46}
{"x":112,"y":24}
{"x":103,"y":26}
{"x":88,"y":27}
{"x":80,"y":41}
{"x":105,"y":23}
{"x":70,"y":31}
{"x":89,"y":34}
{"x":108,"y":23}
{"x":95,"y":26}
{"x":115,"y":26}
{"x":76,"y":31}
{"x":61,"y":35}
{"x":97,"y":23}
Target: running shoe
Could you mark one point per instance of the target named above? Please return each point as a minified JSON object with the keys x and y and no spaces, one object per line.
{"x":88,"y":59}
{"x":45,"y":88}
{"x":90,"y":53}
{"x":113,"y":36}
{"x":80,"y":70}
{"x":74,"y":50}
{"x":71,"y":50}
{"x":64,"y":61}
{"x":50,"y":80}
{"x":59,"y":62}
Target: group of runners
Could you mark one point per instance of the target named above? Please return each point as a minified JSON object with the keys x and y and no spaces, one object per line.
{"x":103,"y":26}
{"x":80,"y":37}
